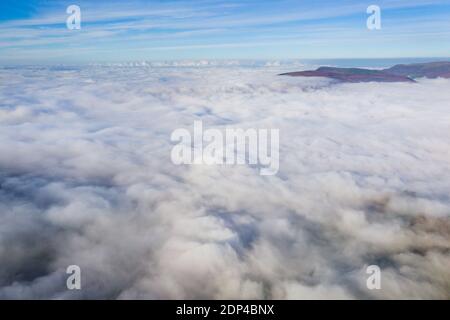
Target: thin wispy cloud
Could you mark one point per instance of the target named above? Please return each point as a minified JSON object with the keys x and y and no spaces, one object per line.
{"x":120,"y":28}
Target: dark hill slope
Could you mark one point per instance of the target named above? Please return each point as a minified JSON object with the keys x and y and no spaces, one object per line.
{"x":398,"y":73}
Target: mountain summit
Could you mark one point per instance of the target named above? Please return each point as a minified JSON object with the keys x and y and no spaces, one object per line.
{"x":397,"y":73}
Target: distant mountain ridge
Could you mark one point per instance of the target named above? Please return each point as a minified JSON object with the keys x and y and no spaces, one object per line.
{"x":397,"y":73}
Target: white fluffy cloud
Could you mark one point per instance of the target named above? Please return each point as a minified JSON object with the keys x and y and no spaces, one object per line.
{"x":86,"y":179}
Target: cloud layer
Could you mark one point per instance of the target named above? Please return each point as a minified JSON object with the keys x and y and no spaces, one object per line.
{"x":86,"y":179}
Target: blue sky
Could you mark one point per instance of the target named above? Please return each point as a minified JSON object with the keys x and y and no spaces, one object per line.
{"x":34,"y":31}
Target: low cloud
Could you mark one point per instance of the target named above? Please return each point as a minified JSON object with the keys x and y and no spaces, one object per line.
{"x":86,"y":179}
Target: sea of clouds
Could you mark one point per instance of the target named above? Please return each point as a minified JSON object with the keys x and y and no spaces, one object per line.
{"x":86,"y":179}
